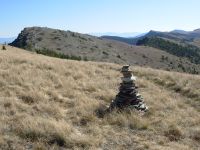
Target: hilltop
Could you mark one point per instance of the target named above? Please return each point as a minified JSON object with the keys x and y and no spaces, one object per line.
{"x":67,"y":44}
{"x":50,"y":103}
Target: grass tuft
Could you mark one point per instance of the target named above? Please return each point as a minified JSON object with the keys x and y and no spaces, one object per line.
{"x":174,"y":133}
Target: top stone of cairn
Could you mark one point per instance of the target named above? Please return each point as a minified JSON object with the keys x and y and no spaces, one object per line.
{"x":126,"y":69}
{"x":127,"y":74}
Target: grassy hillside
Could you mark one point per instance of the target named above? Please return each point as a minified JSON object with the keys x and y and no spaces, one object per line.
{"x":190,"y":52}
{"x":67,"y":44}
{"x":50,"y":103}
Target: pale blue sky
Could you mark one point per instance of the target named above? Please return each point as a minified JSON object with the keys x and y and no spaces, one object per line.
{"x":87,"y":16}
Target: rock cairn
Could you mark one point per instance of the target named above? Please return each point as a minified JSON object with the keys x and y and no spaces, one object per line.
{"x":128,"y":95}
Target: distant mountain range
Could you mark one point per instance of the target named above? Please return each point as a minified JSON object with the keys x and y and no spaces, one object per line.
{"x":7,"y":40}
{"x":160,"y":50}
{"x":125,"y":34}
{"x":180,"y":36}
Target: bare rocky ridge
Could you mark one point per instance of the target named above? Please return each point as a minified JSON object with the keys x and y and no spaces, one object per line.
{"x":97,"y":49}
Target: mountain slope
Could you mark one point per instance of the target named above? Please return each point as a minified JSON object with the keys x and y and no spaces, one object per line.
{"x":190,"y":52}
{"x":50,"y":103}
{"x":76,"y":45}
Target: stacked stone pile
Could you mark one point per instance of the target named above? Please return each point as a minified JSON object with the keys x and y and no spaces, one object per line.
{"x":128,"y":95}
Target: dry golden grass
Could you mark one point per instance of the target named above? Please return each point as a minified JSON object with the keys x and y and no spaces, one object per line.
{"x":48,"y":103}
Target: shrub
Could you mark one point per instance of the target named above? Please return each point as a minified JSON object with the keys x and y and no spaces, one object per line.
{"x":105,"y":53}
{"x":39,"y":39}
{"x":144,"y":56}
{"x":85,"y":58}
{"x":3,"y":47}
{"x":118,"y":56}
{"x":58,"y":55}
{"x":195,"y":135}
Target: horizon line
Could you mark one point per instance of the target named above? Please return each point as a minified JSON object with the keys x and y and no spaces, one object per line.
{"x":106,"y":32}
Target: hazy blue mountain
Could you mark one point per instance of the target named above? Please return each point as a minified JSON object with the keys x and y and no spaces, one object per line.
{"x":125,"y":34}
{"x":7,"y":40}
{"x":197,"y":31}
{"x":121,"y":39}
{"x":179,"y":31}
{"x":129,"y":40}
